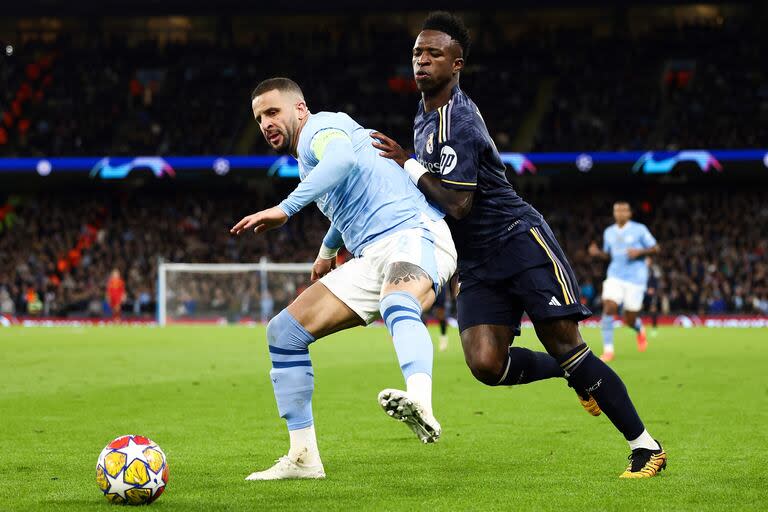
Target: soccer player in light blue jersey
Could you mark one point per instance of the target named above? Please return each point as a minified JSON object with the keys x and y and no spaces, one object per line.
{"x":403,"y":252}
{"x":626,"y":244}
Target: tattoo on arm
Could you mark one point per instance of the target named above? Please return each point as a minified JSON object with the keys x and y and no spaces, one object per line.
{"x":403,"y":272}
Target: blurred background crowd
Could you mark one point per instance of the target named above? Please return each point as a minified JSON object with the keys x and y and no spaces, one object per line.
{"x":632,"y":82}
{"x":58,"y":252}
{"x":664,"y":78}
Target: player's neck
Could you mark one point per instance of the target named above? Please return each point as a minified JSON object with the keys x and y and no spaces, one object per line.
{"x":294,"y":150}
{"x":621,"y":225}
{"x":437,"y":99}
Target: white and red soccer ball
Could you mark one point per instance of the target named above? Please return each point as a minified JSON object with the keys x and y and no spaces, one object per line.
{"x":133,"y":470}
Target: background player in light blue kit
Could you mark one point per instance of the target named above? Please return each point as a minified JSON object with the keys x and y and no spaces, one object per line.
{"x":626,"y":244}
{"x":403,"y":251}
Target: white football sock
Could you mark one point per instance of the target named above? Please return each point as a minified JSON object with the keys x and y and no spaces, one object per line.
{"x":644,"y":440}
{"x":304,"y":446}
{"x":419,"y":386}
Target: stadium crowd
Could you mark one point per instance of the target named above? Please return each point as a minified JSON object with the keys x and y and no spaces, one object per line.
{"x":57,"y":255}
{"x":572,"y":89}
{"x":687,"y":86}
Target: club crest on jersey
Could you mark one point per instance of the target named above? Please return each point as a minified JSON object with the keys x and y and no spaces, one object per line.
{"x":447,"y":160}
{"x":430,"y":143}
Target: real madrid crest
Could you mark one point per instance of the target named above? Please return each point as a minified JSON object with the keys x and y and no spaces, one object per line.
{"x":430,"y":143}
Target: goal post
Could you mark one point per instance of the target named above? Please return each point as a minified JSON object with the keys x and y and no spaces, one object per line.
{"x":227,"y":292}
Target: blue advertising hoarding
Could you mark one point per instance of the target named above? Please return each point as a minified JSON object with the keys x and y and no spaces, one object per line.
{"x":629,"y":162}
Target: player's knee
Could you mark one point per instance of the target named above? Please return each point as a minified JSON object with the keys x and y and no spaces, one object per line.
{"x":610,"y":307}
{"x":486,"y":366}
{"x":273,"y":328}
{"x":285,"y":333}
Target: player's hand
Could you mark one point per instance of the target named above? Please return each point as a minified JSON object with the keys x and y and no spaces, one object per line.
{"x":261,"y":221}
{"x":321,"y":267}
{"x":389,"y":148}
{"x":594,"y":250}
{"x":634,"y":253}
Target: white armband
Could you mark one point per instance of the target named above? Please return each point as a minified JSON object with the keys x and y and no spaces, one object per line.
{"x":327,"y":253}
{"x":415,"y":170}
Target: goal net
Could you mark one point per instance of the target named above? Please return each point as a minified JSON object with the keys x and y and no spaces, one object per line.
{"x":227,"y":292}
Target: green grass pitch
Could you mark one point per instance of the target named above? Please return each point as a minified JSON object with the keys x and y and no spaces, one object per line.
{"x":204,"y":395}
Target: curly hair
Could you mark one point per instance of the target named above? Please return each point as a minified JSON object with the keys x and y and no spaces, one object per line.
{"x":450,"y":24}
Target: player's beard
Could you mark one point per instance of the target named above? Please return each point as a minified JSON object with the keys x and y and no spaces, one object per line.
{"x":285,"y":147}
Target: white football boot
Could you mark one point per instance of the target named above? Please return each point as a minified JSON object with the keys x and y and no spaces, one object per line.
{"x":285,"y":469}
{"x":400,"y":406}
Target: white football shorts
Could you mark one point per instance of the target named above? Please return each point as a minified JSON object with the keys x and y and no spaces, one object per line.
{"x":630,"y":295}
{"x":359,"y":281}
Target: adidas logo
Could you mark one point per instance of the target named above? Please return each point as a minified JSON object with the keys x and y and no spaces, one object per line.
{"x":554,"y":302}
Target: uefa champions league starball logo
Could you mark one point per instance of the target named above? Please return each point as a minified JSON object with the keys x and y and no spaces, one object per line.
{"x":44,"y":167}
{"x":584,"y":162}
{"x":221,"y":166}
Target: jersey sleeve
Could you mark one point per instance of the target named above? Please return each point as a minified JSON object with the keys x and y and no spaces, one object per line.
{"x":647,"y":239}
{"x":311,"y":152}
{"x":323,"y":138}
{"x":460,"y":146}
{"x":333,"y":238}
{"x":606,"y":242}
{"x":335,"y":158}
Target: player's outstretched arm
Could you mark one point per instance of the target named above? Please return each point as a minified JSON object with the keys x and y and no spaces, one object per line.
{"x":456,"y":203}
{"x":336,"y":163}
{"x":264,"y":220}
{"x":336,"y":159}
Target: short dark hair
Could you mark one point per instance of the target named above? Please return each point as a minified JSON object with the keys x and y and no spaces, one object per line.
{"x":622,"y":201}
{"x":450,"y":24}
{"x":277,"y":83}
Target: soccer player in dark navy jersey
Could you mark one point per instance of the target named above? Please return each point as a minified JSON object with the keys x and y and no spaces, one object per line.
{"x":509,"y":260}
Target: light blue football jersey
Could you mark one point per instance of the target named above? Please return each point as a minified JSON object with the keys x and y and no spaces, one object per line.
{"x":616,"y":242}
{"x":376,"y":199}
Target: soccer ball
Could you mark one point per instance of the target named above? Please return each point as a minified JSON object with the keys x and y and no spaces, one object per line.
{"x":133,"y":470}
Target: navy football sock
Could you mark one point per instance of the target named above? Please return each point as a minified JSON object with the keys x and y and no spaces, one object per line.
{"x":585,"y":371}
{"x":443,"y":326}
{"x":524,"y":366}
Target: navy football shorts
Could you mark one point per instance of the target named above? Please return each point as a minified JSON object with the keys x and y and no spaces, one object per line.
{"x":528,"y":274}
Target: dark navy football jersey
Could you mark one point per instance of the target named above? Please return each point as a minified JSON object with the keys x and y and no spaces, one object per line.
{"x":453,"y":142}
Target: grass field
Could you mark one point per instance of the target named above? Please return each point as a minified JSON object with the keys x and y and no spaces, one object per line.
{"x":204,"y":395}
